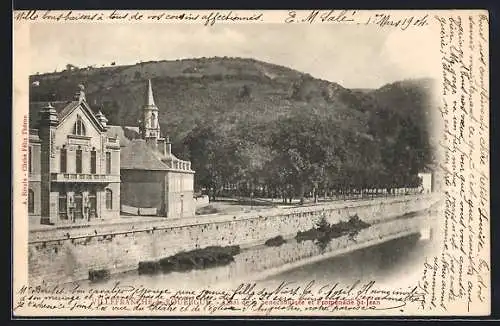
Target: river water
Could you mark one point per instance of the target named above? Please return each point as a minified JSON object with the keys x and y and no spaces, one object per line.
{"x":398,"y":261}
{"x":401,"y":259}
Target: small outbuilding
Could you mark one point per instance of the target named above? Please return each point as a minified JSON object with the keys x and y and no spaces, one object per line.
{"x":153,"y":181}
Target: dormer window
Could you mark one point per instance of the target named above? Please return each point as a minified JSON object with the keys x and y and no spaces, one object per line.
{"x":79,"y":128}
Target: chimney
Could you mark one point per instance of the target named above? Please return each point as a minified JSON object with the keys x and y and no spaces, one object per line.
{"x":168,"y":150}
{"x":162,"y":146}
{"x":152,"y":142}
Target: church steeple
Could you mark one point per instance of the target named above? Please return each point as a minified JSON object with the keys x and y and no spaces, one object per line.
{"x":150,"y":127}
{"x":149,"y":124}
{"x":150,"y":101}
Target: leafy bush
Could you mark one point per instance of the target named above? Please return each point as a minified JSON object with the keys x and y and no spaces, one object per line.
{"x":196,"y":259}
{"x":323,"y":232}
{"x":99,"y":275}
{"x":275,"y":242}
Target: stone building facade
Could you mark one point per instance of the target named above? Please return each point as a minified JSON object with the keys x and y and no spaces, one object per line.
{"x":427,"y":185}
{"x":153,"y":180}
{"x":74,"y":166}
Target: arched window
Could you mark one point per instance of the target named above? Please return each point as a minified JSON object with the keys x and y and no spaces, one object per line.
{"x":79,"y":128}
{"x":31,"y":201}
{"x":109,"y":199}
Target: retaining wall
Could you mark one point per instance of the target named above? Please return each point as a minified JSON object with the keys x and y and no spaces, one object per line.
{"x":57,"y":258}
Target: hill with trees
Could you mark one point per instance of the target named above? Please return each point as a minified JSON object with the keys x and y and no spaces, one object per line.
{"x":247,"y":124}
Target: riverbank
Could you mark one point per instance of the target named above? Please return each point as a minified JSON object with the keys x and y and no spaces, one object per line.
{"x":264,"y":264}
{"x":40,"y":233}
{"x":56,"y":258}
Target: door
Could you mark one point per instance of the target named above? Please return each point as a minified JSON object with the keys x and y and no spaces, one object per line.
{"x":78,"y":206}
{"x":92,"y":205}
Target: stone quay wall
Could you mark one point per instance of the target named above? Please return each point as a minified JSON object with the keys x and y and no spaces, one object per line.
{"x":57,"y":257}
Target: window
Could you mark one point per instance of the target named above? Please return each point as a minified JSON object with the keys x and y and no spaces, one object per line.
{"x":31,"y":201}
{"x":109,"y":199}
{"x":79,"y":128}
{"x":79,"y":160}
{"x":63,"y":212}
{"x":153,"y":120}
{"x":93,"y":162}
{"x":29,"y":160}
{"x":63,"y":159}
{"x":108,"y":162}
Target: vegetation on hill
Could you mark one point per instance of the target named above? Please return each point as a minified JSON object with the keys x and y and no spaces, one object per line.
{"x":251,"y":125}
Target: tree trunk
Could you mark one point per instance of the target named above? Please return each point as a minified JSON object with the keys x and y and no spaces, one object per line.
{"x":213,"y":193}
{"x":302,"y":191}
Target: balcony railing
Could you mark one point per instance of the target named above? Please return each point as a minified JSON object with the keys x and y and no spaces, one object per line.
{"x":84,"y":177}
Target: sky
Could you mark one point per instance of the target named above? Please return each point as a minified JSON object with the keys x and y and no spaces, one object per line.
{"x":353,"y":56}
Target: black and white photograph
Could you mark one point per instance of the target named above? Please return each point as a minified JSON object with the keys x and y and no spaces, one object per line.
{"x":251,"y":163}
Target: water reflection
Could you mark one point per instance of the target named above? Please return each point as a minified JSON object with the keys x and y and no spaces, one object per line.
{"x":395,"y":261}
{"x":401,"y":260}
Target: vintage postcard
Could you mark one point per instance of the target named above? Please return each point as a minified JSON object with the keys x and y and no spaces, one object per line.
{"x":251,"y":163}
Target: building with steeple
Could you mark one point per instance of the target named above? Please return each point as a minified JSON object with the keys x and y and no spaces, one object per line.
{"x":74,"y":167}
{"x":81,"y":169}
{"x":148,"y":125}
{"x":154,"y":181}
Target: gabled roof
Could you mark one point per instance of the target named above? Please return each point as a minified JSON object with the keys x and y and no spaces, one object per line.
{"x":63,"y":109}
{"x":67,"y":109}
{"x":137,"y":155}
{"x":86,"y":108}
{"x":124,"y":133}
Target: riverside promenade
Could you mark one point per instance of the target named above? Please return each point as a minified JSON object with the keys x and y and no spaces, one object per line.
{"x":130,"y":223}
{"x":67,"y":253}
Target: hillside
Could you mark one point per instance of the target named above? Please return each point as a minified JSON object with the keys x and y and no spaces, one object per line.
{"x":400,"y":117}
{"x":190,"y":91}
{"x":255,"y":118}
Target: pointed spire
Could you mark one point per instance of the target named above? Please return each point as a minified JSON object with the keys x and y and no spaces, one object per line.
{"x":150,"y":101}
